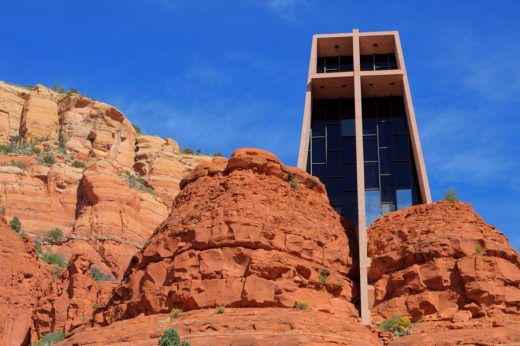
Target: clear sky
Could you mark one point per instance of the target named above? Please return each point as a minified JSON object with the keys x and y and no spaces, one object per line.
{"x":218,"y":75}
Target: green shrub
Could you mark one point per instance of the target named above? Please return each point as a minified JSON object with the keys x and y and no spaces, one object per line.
{"x":294,"y":183}
{"x":2,"y":211}
{"x":95,"y":306}
{"x":61,"y":143}
{"x":137,"y":128}
{"x":218,"y":153}
{"x":73,"y":91}
{"x":57,"y":88}
{"x":38,"y":245}
{"x":22,"y":234}
{"x":36,"y":150}
{"x":198,"y":151}
{"x":54,"y":235}
{"x":15,"y":140}
{"x":175,"y":313}
{"x":301,"y":305}
{"x":398,"y":326}
{"x":50,"y":339}
{"x":99,"y":276}
{"x":478,"y":251}
{"x":221,"y":309}
{"x":15,"y":163}
{"x":451,"y":195}
{"x":54,"y":259}
{"x":78,"y":164}
{"x":136,"y":183}
{"x":324,"y":275}
{"x":171,"y":337}
{"x":7,"y":149}
{"x":15,"y":224}
{"x":49,"y":159}
{"x":187,"y":151}
{"x":56,"y":272}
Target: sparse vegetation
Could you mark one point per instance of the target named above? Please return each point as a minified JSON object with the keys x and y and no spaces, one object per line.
{"x":175,"y":313}
{"x":187,"y":151}
{"x":22,"y":234}
{"x":54,"y":235}
{"x":220,"y":309}
{"x":301,"y":305}
{"x":294,"y":183}
{"x":78,"y":164}
{"x":38,"y":245}
{"x":2,"y":211}
{"x":99,"y":276}
{"x":324,"y":275}
{"x":54,"y":259}
{"x":95,"y":306}
{"x":73,"y":91}
{"x":451,"y":195}
{"x":15,"y":224}
{"x":171,"y":337}
{"x":58,"y":88}
{"x":398,"y":326}
{"x":61,"y":143}
{"x":478,"y":251}
{"x":218,"y":153}
{"x":136,"y":183}
{"x":15,"y":140}
{"x":50,"y":339}
{"x":137,"y":128}
{"x":16,"y":147}
{"x":49,"y":159}
{"x":56,"y":272}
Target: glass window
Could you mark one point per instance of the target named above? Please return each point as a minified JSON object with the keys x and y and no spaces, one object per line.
{"x":346,"y":63}
{"x":371,"y":175}
{"x":381,"y":61}
{"x":370,"y":148}
{"x":348,"y":127}
{"x":397,"y":102}
{"x":349,"y":149}
{"x":334,"y":187}
{"x":386,"y":161}
{"x":321,"y":62}
{"x":404,"y":198}
{"x":319,"y":170}
{"x":416,"y":193}
{"x":318,"y":105}
{"x":373,"y":205}
{"x":392,"y":63}
{"x":332,"y":64}
{"x":384,"y":130}
{"x":401,"y":148}
{"x":334,"y":163}
{"x":387,"y":189}
{"x":347,"y":105}
{"x":369,"y":126}
{"x":333,"y":114}
{"x":399,"y":124}
{"x":318,"y":150}
{"x":318,"y":124}
{"x":402,"y":175}
{"x":349,"y":176}
{"x":334,"y":136}
{"x":367,"y":62}
{"x":384,"y":107}
{"x":351,"y":210}
{"x":387,"y":208}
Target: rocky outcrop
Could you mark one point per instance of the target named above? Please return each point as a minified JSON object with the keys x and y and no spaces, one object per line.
{"x":23,"y":278}
{"x":239,"y":235}
{"x":442,"y":262}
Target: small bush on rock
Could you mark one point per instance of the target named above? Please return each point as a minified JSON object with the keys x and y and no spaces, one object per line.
{"x":49,"y":159}
{"x":50,"y":339}
{"x":221,"y":309}
{"x":324,"y":275}
{"x":451,"y":195}
{"x":55,"y":259}
{"x":171,"y":337}
{"x":294,"y":183}
{"x":136,"y":183}
{"x":15,"y":224}
{"x":175,"y":313}
{"x":398,"y":326}
{"x":99,"y":276}
{"x":2,"y":211}
{"x":54,"y":235}
{"x":478,"y":251}
{"x":301,"y":305}
{"x":78,"y":164}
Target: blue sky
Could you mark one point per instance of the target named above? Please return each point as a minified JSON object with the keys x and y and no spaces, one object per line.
{"x":218,"y":75}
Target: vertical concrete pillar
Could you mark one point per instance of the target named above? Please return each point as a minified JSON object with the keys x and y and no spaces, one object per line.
{"x":360,"y":169}
{"x":412,"y":126}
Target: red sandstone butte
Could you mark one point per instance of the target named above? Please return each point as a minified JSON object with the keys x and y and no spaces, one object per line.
{"x":445,"y":267}
{"x":240,"y":235}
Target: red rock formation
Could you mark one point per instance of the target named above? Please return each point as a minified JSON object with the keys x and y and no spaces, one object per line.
{"x":239,"y":235}
{"x":22,"y":280}
{"x":442,"y":262}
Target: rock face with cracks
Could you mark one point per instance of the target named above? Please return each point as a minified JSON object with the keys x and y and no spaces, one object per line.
{"x":240,"y":235}
{"x":442,"y":262}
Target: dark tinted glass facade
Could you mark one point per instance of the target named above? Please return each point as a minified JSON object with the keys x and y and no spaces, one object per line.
{"x":330,"y":64}
{"x":332,"y":153}
{"x":390,"y":176}
{"x":376,"y":62}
